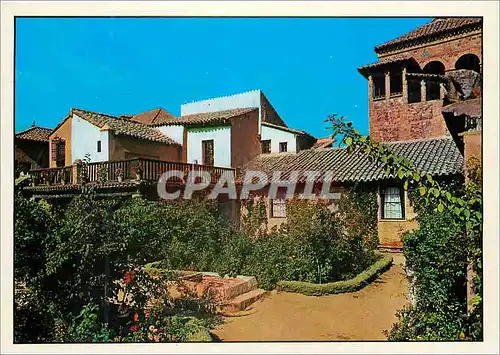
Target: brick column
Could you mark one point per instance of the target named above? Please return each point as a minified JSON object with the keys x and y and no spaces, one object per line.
{"x":387,"y":85}
{"x":423,"y":91}
{"x":370,"y":89}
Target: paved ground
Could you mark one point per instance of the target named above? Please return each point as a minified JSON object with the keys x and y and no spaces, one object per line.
{"x":362,"y":315}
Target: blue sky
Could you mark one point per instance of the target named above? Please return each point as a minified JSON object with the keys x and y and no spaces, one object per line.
{"x":305,"y":66}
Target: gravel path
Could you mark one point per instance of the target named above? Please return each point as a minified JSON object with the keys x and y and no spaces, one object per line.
{"x":362,"y":315}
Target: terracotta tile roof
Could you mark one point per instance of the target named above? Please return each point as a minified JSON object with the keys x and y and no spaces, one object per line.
{"x":441,"y":26}
{"x":382,"y":63}
{"x":287,"y":129}
{"x":124,"y":127}
{"x":438,"y":156}
{"x":471,"y":108}
{"x":35,"y":133}
{"x":155,"y":117}
{"x":325,"y":142}
{"x":218,"y":117}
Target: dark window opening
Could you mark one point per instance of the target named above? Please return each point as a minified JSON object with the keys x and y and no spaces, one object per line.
{"x":396,"y":83}
{"x":59,"y":152}
{"x":414,"y":94}
{"x":283,"y":147}
{"x":265,"y":146}
{"x":208,"y":152}
{"x":98,"y":146}
{"x":468,"y":61}
{"x":392,"y":199}
{"x":432,"y":87}
{"x":379,"y":86}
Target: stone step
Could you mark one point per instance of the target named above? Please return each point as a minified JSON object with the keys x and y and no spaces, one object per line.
{"x":242,"y":301}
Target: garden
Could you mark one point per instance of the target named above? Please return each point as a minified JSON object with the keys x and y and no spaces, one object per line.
{"x":80,"y":275}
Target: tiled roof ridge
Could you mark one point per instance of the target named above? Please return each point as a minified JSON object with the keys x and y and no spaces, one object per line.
{"x":249,"y":109}
{"x":34,"y":127}
{"x":409,"y":37}
{"x":223,"y":96}
{"x":165,"y":138}
{"x":418,"y":140}
{"x":293,"y":130}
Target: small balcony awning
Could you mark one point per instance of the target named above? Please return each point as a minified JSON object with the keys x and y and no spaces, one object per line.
{"x":368,"y":69}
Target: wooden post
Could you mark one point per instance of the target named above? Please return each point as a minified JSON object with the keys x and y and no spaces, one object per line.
{"x":387,"y":85}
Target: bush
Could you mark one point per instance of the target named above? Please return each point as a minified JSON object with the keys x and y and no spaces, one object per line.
{"x":351,"y":285}
{"x":436,"y":257}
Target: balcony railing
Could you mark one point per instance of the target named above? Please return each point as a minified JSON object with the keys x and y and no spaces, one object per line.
{"x":120,"y":171}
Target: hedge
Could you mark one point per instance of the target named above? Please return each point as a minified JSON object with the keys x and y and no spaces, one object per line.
{"x":351,"y":285}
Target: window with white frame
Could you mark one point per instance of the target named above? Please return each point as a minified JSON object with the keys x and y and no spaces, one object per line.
{"x":392,"y":202}
{"x":278,"y":205}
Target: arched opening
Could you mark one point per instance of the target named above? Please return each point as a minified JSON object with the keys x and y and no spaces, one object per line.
{"x":468,"y":61}
{"x":433,"y":90}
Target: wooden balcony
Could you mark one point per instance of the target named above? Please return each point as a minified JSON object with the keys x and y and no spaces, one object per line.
{"x":123,"y":171}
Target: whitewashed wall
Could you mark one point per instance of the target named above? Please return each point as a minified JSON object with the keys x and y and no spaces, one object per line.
{"x":176,"y":132}
{"x":276,"y":136}
{"x":84,"y":137}
{"x":222,"y":144}
{"x":243,"y":100}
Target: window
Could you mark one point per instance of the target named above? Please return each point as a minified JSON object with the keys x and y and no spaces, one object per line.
{"x":378,"y":86}
{"x":414,"y":94}
{"x":98,"y":146}
{"x":468,"y":61}
{"x":392,"y":203}
{"x":396,"y":82}
{"x":208,"y":152}
{"x":283,"y":147}
{"x":58,"y":152}
{"x":278,"y":205}
{"x":265,"y":146}
{"x":432,"y":87}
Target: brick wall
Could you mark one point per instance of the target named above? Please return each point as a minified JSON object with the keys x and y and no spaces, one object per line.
{"x":394,"y":119}
{"x":447,"y":51}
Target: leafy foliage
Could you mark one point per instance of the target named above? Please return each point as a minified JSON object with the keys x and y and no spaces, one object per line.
{"x":438,"y":254}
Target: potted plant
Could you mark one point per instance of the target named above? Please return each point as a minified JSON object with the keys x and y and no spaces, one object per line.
{"x":137,"y":169}
{"x":119,"y":174}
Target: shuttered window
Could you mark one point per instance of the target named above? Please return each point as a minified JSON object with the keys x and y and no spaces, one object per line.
{"x":208,"y":152}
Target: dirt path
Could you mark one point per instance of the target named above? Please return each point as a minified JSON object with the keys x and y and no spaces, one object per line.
{"x":362,"y":315}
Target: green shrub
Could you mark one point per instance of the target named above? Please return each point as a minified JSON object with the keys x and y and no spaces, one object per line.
{"x":350,"y":285}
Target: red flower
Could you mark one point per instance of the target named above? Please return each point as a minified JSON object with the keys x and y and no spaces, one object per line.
{"x":129,"y":277}
{"x":146,"y":313}
{"x":133,"y":328}
{"x":136,"y":317}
